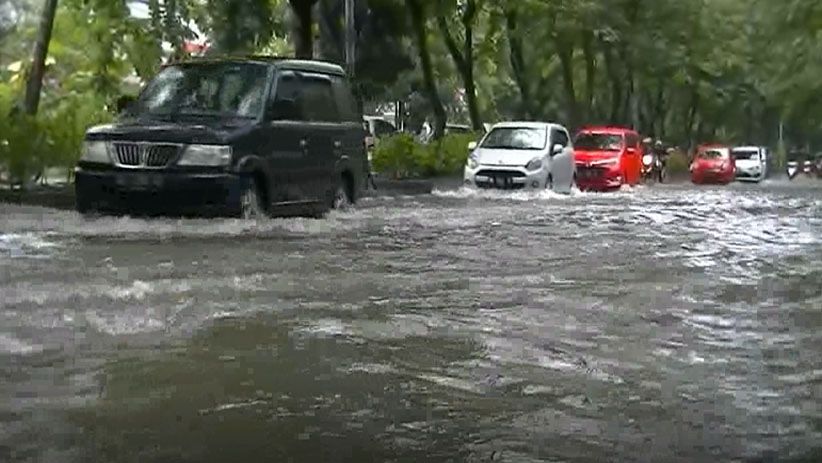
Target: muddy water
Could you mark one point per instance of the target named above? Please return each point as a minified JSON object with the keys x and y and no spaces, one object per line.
{"x":658,"y":324}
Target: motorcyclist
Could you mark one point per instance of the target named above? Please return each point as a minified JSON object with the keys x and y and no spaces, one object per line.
{"x":661,"y":157}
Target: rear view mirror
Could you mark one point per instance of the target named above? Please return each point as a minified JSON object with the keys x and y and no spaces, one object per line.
{"x":472,"y":146}
{"x":557,"y":149}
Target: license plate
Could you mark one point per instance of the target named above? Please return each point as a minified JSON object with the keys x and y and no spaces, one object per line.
{"x":139,"y":181}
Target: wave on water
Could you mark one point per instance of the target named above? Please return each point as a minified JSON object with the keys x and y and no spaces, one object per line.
{"x":526,"y":195}
{"x":19,"y":227}
{"x":11,"y":345}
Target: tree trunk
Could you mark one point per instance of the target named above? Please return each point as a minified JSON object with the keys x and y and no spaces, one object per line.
{"x":565,"y":51}
{"x":692,"y":116}
{"x":517,"y":62}
{"x":38,"y":64}
{"x":304,"y":34}
{"x":464,"y":60}
{"x":660,"y":110}
{"x":332,"y":42}
{"x":616,"y":83}
{"x":418,"y":17}
{"x":590,"y":72}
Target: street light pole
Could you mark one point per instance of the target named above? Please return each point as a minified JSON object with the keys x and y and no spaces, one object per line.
{"x":350,"y":38}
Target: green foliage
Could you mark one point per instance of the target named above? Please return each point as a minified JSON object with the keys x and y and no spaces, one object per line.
{"x":397,"y":156}
{"x":53,"y":138}
{"x":401,"y":156}
{"x":677,"y":164}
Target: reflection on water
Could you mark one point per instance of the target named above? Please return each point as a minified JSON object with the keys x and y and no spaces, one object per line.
{"x":667,"y":323}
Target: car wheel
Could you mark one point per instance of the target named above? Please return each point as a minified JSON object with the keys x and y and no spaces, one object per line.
{"x":342,"y":196}
{"x":251,"y":204}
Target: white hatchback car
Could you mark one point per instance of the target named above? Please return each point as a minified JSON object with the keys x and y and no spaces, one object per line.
{"x":751,"y":163}
{"x":522,"y":155}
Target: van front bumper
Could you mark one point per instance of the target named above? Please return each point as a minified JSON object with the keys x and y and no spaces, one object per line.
{"x":147,"y":192}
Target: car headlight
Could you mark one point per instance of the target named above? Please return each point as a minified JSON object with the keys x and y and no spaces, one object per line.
{"x":472,"y":162}
{"x":95,"y":151}
{"x":206,"y":155}
{"x":647,"y":159}
{"x":534,"y":164}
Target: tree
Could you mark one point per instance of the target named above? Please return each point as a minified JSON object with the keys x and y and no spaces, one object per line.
{"x":304,"y":27}
{"x":243,"y":25}
{"x":38,"y":62}
{"x":418,"y":11}
{"x":462,"y":53}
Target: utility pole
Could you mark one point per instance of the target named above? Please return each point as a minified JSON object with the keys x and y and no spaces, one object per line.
{"x":350,"y":38}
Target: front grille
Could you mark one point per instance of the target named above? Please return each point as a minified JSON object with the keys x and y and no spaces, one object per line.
{"x":160,"y":155}
{"x":145,"y":154}
{"x":500,"y":179}
{"x":501,"y":173}
{"x":128,"y":154}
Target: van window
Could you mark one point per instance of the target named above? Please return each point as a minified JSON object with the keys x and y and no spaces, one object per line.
{"x":345,"y":100}
{"x":319,"y":103}
{"x":285,"y":105}
{"x":632,"y":140}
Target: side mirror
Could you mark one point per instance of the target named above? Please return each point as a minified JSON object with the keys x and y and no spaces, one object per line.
{"x":472,"y":146}
{"x":557,"y":149}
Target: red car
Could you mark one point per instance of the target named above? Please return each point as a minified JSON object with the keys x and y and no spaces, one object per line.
{"x":713,"y":164}
{"x":607,"y":158}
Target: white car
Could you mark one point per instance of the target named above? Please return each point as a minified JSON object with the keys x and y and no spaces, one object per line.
{"x":522,"y":155}
{"x":751,"y":163}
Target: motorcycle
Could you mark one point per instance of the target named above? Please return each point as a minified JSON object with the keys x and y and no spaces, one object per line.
{"x":653,"y":167}
{"x":792,"y":169}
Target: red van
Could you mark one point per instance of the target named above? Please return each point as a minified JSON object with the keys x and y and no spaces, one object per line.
{"x":607,"y":158}
{"x":713,"y":164}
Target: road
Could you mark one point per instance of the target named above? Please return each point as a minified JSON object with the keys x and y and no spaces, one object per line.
{"x":673,"y":323}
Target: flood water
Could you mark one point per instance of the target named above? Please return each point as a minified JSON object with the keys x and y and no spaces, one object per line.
{"x":670,"y":324}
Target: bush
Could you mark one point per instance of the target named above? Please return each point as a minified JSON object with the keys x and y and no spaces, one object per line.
{"x":52,"y":138}
{"x":677,"y":164}
{"x":401,"y":156}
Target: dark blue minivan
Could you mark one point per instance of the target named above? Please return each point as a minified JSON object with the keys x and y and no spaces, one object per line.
{"x":245,"y":137}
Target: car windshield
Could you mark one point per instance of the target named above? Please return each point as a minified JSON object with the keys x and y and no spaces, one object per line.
{"x":746,"y":154}
{"x":598,"y":142}
{"x":516,"y":138}
{"x":210,"y":90}
{"x":712,"y":154}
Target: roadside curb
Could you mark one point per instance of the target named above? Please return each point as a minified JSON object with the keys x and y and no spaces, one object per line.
{"x":55,"y":198}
